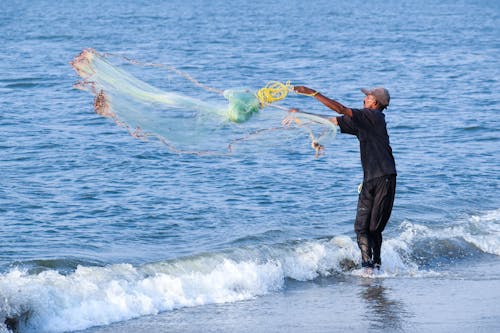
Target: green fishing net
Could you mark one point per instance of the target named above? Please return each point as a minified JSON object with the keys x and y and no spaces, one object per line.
{"x":185,"y":124}
{"x":242,"y":104}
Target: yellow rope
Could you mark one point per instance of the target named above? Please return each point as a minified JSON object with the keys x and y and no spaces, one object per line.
{"x":275,"y":91}
{"x":272,"y":92}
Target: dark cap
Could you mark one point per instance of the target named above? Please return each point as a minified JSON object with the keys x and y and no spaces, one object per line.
{"x":381,"y":95}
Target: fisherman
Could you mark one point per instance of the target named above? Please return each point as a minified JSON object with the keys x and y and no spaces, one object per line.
{"x":377,"y":193}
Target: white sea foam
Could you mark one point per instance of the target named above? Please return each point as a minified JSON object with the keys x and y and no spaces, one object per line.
{"x":53,"y":302}
{"x":101,"y":295}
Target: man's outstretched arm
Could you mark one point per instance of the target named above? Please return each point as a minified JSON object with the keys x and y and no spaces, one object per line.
{"x":330,"y":103}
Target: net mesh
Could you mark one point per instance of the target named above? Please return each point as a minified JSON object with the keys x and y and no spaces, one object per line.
{"x":185,"y":124}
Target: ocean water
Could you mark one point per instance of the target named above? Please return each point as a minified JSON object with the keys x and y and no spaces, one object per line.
{"x":103,"y":232}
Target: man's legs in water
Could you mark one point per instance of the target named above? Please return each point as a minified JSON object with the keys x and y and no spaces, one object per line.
{"x":374,"y":209}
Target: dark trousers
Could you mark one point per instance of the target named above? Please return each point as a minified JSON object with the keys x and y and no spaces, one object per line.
{"x":374,"y":209}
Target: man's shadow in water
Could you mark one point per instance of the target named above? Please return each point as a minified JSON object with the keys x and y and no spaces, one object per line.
{"x":384,"y":313}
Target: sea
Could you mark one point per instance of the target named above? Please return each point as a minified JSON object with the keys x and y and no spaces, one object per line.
{"x":103,"y":232}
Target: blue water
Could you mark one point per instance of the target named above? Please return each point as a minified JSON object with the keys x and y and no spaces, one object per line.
{"x":98,"y":227}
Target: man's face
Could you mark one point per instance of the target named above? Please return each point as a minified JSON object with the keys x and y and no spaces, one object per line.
{"x":370,"y":102}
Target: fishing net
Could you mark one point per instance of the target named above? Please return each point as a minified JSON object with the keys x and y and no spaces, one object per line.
{"x":186,"y":124}
{"x":242,"y":104}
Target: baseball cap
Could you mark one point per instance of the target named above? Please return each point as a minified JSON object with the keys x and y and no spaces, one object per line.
{"x":381,"y":95}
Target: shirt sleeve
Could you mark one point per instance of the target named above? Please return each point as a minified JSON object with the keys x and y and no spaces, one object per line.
{"x":347,"y":125}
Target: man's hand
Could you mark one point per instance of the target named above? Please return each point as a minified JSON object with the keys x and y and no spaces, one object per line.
{"x":290,"y":118}
{"x":303,"y":90}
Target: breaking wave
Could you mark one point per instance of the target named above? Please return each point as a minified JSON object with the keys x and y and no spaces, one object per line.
{"x":52,"y":299}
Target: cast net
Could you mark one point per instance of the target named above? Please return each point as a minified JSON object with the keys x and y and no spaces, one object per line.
{"x":186,"y":124}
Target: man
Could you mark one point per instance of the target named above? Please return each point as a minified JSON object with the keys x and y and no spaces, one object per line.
{"x":379,"y":181}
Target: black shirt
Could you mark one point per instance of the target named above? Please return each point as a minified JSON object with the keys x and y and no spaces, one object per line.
{"x":376,"y":153}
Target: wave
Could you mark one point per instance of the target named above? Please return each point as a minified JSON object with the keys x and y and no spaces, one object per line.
{"x":57,"y":299}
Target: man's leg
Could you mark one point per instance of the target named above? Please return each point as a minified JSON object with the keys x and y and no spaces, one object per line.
{"x":362,"y":225}
{"x":365,"y":245}
{"x":385,"y":190}
{"x":377,"y":245}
